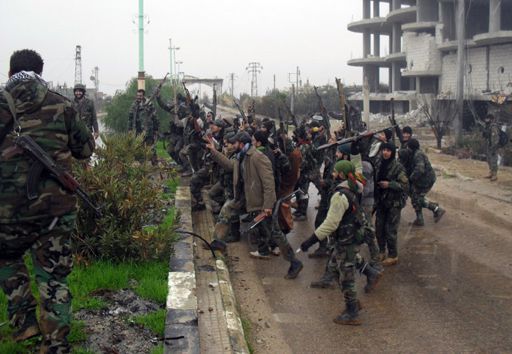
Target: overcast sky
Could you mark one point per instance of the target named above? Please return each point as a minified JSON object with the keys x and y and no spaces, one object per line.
{"x":216,"y":38}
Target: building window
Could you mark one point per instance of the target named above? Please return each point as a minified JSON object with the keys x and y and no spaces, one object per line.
{"x":501,"y":70}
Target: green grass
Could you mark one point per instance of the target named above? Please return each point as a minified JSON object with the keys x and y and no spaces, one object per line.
{"x":246,"y":325}
{"x":161,"y":152}
{"x":158,"y":350}
{"x":154,"y":321}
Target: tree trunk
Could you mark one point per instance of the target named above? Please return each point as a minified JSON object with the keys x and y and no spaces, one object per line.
{"x":439,"y":139}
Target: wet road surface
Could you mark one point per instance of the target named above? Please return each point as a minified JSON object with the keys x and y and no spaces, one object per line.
{"x":450,"y":292}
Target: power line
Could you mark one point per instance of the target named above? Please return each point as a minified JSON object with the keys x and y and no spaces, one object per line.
{"x":254,"y":68}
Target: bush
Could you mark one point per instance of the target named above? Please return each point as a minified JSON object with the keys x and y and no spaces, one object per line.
{"x":121,"y":182}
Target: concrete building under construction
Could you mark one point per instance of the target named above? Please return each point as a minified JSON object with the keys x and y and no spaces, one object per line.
{"x":422,"y":56}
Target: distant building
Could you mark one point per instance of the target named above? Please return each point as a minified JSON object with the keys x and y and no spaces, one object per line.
{"x":422,"y":56}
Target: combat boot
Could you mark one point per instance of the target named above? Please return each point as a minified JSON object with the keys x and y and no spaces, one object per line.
{"x":438,"y":213}
{"x":199,"y":207}
{"x":29,"y":329}
{"x":372,"y":277}
{"x":295,"y":265}
{"x":234,"y":232}
{"x":350,"y":316}
{"x":494,"y":177}
{"x":321,"y":251}
{"x":325,"y":282}
{"x":419,"y":219}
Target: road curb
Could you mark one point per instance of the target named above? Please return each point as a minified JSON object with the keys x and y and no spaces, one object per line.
{"x":181,"y":323}
{"x":233,"y":319}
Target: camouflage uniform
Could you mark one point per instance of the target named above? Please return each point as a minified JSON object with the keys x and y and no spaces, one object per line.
{"x":421,"y":180}
{"x":389,"y":203}
{"x":26,"y":225}
{"x":142,"y":119}
{"x":86,"y":112}
{"x":491,"y":135}
{"x":307,"y":171}
{"x":175,"y":137}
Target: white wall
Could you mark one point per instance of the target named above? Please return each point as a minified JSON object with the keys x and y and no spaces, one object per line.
{"x":421,"y":52}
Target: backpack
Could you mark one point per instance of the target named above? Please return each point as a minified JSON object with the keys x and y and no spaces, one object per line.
{"x":503,"y":138}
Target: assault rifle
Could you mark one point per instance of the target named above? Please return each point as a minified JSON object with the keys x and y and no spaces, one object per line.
{"x":42,"y":162}
{"x":343,"y":106}
{"x":393,"y":122}
{"x":323,"y":112}
{"x":290,"y":113}
{"x":352,"y":139}
{"x":242,"y":113}
{"x":214,"y":104}
{"x":275,"y":213}
{"x":156,"y":92}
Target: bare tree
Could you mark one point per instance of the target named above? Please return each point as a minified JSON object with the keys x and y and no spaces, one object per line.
{"x":440,"y":113}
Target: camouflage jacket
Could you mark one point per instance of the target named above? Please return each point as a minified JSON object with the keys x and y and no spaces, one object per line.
{"x":422,"y":175}
{"x":86,"y":112}
{"x":396,"y":195}
{"x":308,"y":158}
{"x":491,"y":133}
{"x":53,"y":123}
{"x":142,"y":118}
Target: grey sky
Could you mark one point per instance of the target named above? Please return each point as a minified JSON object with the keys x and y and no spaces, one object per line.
{"x":215,"y":37}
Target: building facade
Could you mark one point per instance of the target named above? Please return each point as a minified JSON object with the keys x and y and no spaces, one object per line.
{"x":422,"y":55}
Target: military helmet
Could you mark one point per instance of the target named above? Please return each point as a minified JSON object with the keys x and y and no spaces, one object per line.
{"x":79,"y":87}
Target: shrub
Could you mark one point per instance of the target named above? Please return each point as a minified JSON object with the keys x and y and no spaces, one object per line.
{"x":121,"y":182}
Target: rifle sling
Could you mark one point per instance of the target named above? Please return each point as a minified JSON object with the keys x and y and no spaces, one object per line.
{"x":34,"y":175}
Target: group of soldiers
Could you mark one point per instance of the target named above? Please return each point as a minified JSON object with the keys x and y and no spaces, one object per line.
{"x":257,"y":174}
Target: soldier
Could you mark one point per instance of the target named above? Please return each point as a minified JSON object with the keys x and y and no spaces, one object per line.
{"x":85,"y":108}
{"x":142,"y":119}
{"x":175,"y":134}
{"x":253,"y":181}
{"x":421,"y":180}
{"x":406,"y":136}
{"x":303,"y":140}
{"x":340,"y":222}
{"x":491,"y":135}
{"x":390,"y":196}
{"x":42,"y":226}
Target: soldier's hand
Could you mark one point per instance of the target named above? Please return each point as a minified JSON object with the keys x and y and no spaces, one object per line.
{"x":267,"y":212}
{"x":304,"y":246}
{"x":383,"y":184}
{"x":95,"y":135}
{"x":209,"y":142}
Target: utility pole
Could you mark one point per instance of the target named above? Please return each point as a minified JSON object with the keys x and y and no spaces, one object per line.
{"x":170,"y":59}
{"x":274,"y":82}
{"x":78,"y":64}
{"x":141,"y":84}
{"x":461,"y":37}
{"x":232,"y":84}
{"x":292,"y":100}
{"x":254,"y":68}
{"x":297,"y":78}
{"x":95,"y":79}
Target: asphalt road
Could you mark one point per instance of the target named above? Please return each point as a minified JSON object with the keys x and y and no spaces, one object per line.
{"x":451,"y":292}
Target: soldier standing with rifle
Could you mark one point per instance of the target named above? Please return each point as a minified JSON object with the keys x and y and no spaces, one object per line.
{"x":85,"y":108}
{"x":142,"y":120}
{"x":42,"y":225}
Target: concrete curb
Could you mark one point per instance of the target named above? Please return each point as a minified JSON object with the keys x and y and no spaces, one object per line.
{"x":181,"y":323}
{"x":233,"y":320}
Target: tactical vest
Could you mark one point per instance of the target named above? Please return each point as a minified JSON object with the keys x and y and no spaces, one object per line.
{"x":353,"y":226}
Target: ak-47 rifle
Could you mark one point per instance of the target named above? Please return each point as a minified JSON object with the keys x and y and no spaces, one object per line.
{"x":393,"y":122}
{"x":343,"y":106}
{"x":156,"y":91}
{"x":352,"y":139}
{"x":290,"y":113}
{"x":214,"y":104}
{"x":43,"y":161}
{"x":323,"y":112}
{"x":275,"y":212}
{"x":242,"y":113}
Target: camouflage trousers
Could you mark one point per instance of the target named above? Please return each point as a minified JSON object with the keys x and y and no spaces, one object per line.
{"x":492,"y":160}
{"x":229,"y":213}
{"x":190,"y":157}
{"x":217,"y":195}
{"x":344,"y":257}
{"x":386,"y":227}
{"x":50,"y":251}
{"x":419,"y":199}
{"x":200,"y":179}
{"x":174,"y":145}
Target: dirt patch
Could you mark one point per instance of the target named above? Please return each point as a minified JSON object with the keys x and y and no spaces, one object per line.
{"x":111,"y":330}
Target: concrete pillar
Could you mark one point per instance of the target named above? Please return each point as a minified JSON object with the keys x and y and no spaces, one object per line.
{"x":396,"y":4}
{"x":372,"y":73}
{"x":366,"y":44}
{"x":418,"y":84}
{"x":494,"y":15}
{"x":366,"y":9}
{"x":396,"y":84}
{"x":396,"y":36}
{"x":376,"y":8}
{"x":412,"y":83}
{"x":376,"y":44}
